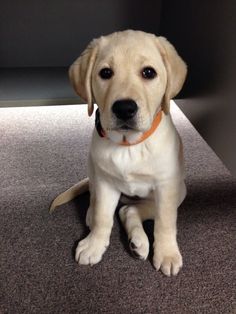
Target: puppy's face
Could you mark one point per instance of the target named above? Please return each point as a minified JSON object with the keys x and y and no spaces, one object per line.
{"x":131,"y":75}
{"x":128,"y":82}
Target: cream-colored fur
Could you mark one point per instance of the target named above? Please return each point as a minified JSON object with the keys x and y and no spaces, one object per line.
{"x":152,"y":169}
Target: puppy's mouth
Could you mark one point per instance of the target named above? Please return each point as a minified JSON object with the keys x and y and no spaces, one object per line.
{"x":125,"y":127}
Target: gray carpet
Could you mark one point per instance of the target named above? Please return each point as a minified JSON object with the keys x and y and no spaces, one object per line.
{"x":43,"y":151}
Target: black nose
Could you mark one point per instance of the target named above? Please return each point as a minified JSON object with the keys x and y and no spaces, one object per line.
{"x":125,"y":109}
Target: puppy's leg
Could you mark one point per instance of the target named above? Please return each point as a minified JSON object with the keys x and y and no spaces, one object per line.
{"x":90,"y":211}
{"x":91,"y":249}
{"x":167,"y":256}
{"x":132,"y":217}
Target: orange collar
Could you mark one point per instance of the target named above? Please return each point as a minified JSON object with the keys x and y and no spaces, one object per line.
{"x":145,"y":135}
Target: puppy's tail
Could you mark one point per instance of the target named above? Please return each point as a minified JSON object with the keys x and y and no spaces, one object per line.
{"x":74,"y":191}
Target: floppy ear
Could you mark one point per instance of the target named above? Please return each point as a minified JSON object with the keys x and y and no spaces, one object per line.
{"x":176,"y":71}
{"x":80,"y":73}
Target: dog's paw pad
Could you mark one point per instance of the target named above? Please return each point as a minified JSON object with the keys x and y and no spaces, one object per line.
{"x":134,"y":251}
{"x":139,"y":246}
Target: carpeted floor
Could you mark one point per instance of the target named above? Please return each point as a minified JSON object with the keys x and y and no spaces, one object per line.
{"x":43,"y":150}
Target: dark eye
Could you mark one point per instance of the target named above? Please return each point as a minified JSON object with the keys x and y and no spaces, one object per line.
{"x":106,"y":73}
{"x":149,"y":73}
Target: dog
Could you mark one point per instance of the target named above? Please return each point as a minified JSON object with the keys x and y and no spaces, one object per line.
{"x":136,"y":152}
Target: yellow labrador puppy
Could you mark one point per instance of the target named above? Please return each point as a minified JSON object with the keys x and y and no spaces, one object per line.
{"x":135,"y":150}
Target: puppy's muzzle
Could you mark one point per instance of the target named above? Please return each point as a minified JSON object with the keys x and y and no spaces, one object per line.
{"x":125,"y":109}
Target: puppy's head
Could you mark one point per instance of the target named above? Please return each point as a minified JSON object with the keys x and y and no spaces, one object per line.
{"x":131,"y":75}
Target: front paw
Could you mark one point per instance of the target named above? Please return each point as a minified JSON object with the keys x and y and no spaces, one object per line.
{"x":90,"y":250}
{"x":168,"y":259}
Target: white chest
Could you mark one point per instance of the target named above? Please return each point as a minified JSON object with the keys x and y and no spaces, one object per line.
{"x":135,"y":170}
{"x":131,"y":170}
